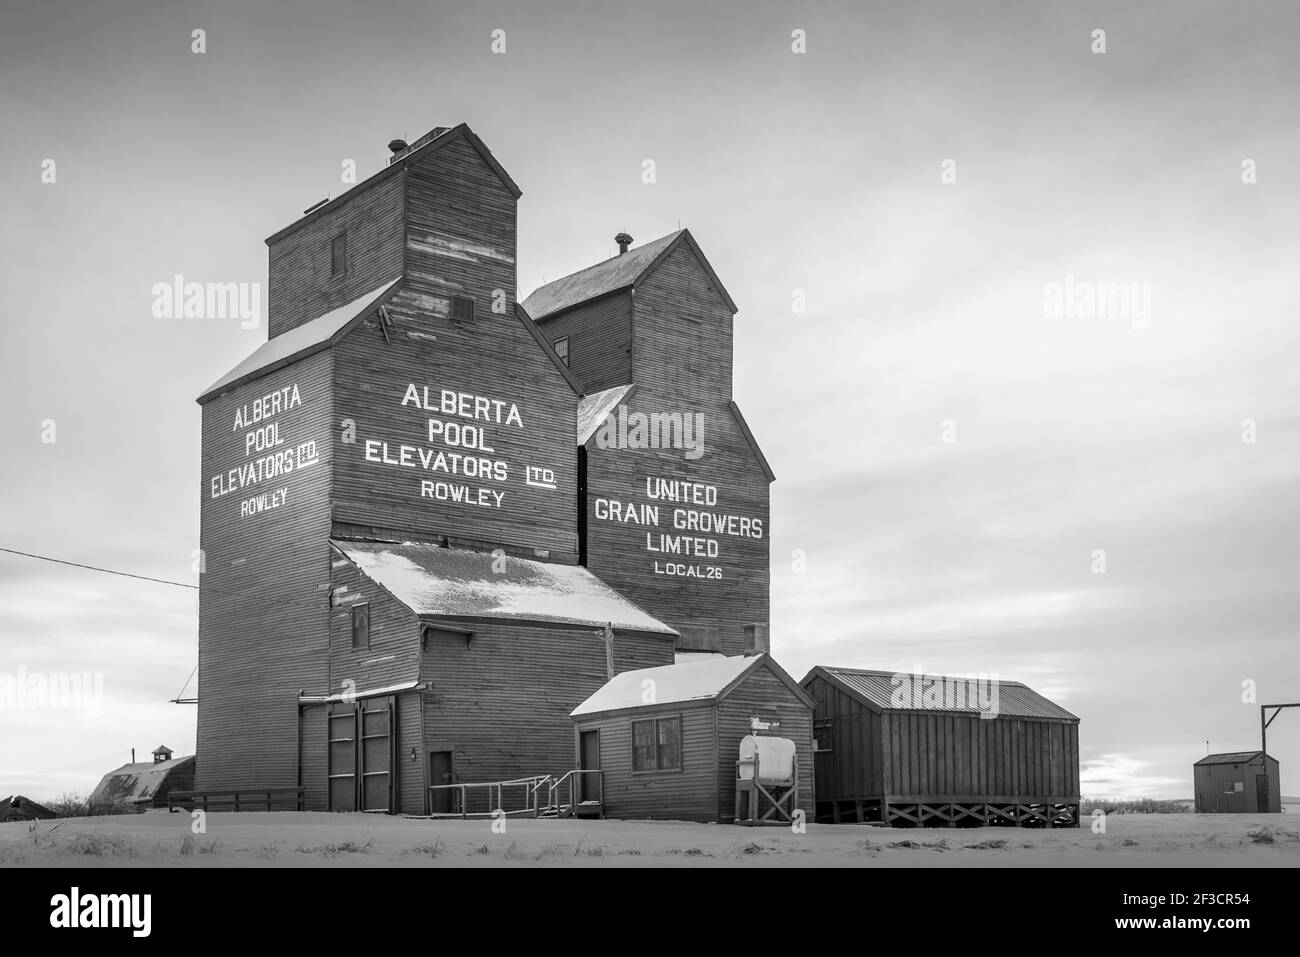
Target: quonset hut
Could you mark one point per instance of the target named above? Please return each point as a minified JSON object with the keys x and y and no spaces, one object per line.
{"x":419,"y":555}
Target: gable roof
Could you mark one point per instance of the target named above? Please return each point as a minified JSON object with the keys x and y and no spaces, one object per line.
{"x":449,"y":583}
{"x":424,"y":146}
{"x":876,"y":689}
{"x":618,"y":272}
{"x":753,"y":442}
{"x":1232,"y":757}
{"x":300,"y":341}
{"x":703,"y":680}
{"x":136,"y":783}
{"x":522,"y":315}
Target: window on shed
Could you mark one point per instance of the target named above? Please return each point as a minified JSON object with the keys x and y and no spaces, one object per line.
{"x":360,"y":626}
{"x":339,"y":255}
{"x":823,"y":739}
{"x":462,"y":309}
{"x":562,"y":350}
{"x":657,"y":744}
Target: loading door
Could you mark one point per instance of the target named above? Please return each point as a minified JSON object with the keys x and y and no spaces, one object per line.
{"x":361,"y":755}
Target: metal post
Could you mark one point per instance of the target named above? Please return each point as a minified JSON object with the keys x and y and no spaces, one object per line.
{"x":609,"y":649}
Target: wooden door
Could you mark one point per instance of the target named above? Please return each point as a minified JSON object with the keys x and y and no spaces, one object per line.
{"x":589,"y":759}
{"x":376,"y":753}
{"x":440,"y":802}
{"x":343,"y":759}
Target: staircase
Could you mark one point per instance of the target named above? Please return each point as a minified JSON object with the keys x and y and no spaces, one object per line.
{"x":540,"y":796}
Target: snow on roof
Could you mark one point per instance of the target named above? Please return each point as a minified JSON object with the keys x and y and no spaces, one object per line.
{"x":133,"y":783}
{"x":298,"y":341}
{"x":454,"y":583}
{"x":593,"y":409}
{"x":617,"y":272}
{"x":692,"y":681}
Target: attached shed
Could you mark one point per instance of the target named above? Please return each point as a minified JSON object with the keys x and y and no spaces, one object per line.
{"x":925,"y":750}
{"x":667,"y":739}
{"x":1236,"y":781}
{"x":142,"y":785}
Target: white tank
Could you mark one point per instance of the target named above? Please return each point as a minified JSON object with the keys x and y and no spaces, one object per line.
{"x":775,"y":759}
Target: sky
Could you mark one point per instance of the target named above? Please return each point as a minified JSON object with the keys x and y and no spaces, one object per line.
{"x":1102,"y":506}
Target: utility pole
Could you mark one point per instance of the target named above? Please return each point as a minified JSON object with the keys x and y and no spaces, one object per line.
{"x":609,"y":649}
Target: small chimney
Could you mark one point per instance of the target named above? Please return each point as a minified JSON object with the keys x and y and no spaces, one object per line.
{"x":398,"y":146}
{"x":623,"y":240}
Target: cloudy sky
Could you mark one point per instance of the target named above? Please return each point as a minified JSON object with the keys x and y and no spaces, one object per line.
{"x":955,"y":461}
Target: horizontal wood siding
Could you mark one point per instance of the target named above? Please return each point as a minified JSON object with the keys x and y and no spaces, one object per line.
{"x":600,"y":340}
{"x":301,"y":285}
{"x":686,"y":795}
{"x":314,"y":748}
{"x":410,"y":751}
{"x":682,"y":333}
{"x":630,"y":555}
{"x":394,"y":653}
{"x":763,"y":695}
{"x":501,"y":701}
{"x":263,"y":613}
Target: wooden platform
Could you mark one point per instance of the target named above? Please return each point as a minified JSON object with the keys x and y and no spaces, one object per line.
{"x":941,"y":812}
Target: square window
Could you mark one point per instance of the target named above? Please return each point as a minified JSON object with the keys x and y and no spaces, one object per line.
{"x":462,"y":309}
{"x":360,"y":626}
{"x":657,"y":744}
{"x":562,"y":350}
{"x":339,"y":255}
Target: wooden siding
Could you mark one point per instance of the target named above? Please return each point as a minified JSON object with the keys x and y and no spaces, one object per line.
{"x":394,"y":653}
{"x":853,"y":765}
{"x":300,"y":285}
{"x":941,"y":756}
{"x":411,"y":759}
{"x":600,"y":340}
{"x":501,"y":700}
{"x":712,"y":612}
{"x":762,"y":695}
{"x":494,"y":358}
{"x":1215,"y":790}
{"x":263,"y":613}
{"x":682,"y":334}
{"x":313,"y":746}
{"x":690,"y":794}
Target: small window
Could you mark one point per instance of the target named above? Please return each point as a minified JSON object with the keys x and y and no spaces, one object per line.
{"x":339,"y":255}
{"x":657,"y":745}
{"x":823,"y":739}
{"x":462,"y":309}
{"x":562,"y":350}
{"x":360,"y":626}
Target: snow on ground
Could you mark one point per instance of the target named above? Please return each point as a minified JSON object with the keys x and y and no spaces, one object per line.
{"x":309,"y":839}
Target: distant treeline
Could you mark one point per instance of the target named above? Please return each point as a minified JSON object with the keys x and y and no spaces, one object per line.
{"x":1135,"y":806}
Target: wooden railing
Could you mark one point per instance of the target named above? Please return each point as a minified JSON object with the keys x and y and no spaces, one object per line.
{"x":261,"y":799}
{"x":527,"y":795}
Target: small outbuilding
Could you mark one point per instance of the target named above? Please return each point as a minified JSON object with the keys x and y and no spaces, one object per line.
{"x":913,"y":750}
{"x":667,"y":740}
{"x":16,"y":807}
{"x":1237,"y":781}
{"x":142,"y":785}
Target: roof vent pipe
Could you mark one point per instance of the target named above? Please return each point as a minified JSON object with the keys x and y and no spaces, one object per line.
{"x":623,"y":240}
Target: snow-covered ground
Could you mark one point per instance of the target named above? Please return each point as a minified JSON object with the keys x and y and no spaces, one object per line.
{"x":338,"y":840}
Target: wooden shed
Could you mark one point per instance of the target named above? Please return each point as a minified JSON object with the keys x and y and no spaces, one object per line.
{"x":925,"y":750}
{"x":1236,"y":781}
{"x":142,"y":785}
{"x":666,"y":739}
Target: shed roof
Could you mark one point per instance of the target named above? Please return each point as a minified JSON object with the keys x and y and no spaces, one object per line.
{"x":449,"y":583}
{"x":876,"y":689}
{"x":680,"y":683}
{"x":300,"y":341}
{"x":19,"y":807}
{"x":618,"y":272}
{"x":1231,"y":757}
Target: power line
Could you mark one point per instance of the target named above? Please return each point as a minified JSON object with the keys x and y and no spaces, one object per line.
{"x":160,"y":581}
